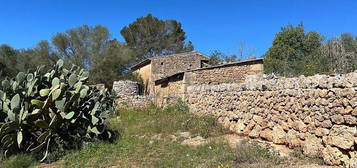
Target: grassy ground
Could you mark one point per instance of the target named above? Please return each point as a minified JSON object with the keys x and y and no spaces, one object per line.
{"x":18,"y":161}
{"x":137,"y":148}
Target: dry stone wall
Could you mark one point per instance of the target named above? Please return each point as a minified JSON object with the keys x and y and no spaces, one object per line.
{"x":128,"y":94}
{"x":228,"y":73}
{"x":317,"y":113}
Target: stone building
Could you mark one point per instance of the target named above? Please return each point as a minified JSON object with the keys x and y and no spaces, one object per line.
{"x":166,"y":78}
{"x":170,"y":88}
{"x":156,"y":68}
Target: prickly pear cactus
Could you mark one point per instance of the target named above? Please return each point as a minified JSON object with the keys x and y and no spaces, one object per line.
{"x":51,"y":107}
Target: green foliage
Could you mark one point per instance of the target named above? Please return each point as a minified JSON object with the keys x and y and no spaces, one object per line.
{"x":294,"y":52}
{"x":79,"y":45}
{"x":169,"y":120}
{"x":42,"y":54}
{"x":92,"y":48}
{"x":254,"y":153}
{"x":215,"y":58}
{"x":218,"y":57}
{"x":150,"y":36}
{"x":8,"y":61}
{"x":339,"y":55}
{"x":48,"y":109}
{"x":137,"y":148}
{"x":298,"y":154}
{"x":19,"y":161}
{"x":129,"y":150}
{"x":349,"y":42}
{"x":112,"y":63}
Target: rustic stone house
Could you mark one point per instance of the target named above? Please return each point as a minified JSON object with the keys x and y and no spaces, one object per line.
{"x":167,"y":77}
{"x":170,"y":88}
{"x":156,"y":68}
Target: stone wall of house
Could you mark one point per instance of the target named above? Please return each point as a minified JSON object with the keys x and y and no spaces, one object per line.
{"x":169,"y":91}
{"x":127,"y":93}
{"x":317,"y":113}
{"x":229,"y":73}
{"x":144,"y":73}
{"x":171,"y":64}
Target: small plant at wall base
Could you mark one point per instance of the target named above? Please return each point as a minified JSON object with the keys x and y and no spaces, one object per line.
{"x":50,"y":109}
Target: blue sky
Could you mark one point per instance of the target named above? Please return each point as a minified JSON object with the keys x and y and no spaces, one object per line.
{"x":209,"y":24}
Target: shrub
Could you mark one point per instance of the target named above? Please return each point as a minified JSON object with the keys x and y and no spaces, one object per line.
{"x":50,"y":109}
{"x":254,"y":153}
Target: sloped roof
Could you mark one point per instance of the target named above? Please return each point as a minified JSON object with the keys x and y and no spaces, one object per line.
{"x":148,"y":60}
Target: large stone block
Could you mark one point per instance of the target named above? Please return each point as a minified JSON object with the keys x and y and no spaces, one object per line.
{"x":279,"y":135}
{"x":266,"y":134}
{"x":312,"y":146}
{"x":341,"y":136}
{"x":333,"y":156}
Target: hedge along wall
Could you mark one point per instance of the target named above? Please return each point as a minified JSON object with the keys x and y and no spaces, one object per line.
{"x":317,"y":113}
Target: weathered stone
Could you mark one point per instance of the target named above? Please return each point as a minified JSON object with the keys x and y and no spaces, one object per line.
{"x":352,"y":163}
{"x":341,"y":136}
{"x":338,"y":119}
{"x":249,"y":128}
{"x":293,"y":140}
{"x":258,"y":119}
{"x":308,"y":120}
{"x":285,"y":126}
{"x":321,"y":132}
{"x":333,"y":156}
{"x":239,"y":127}
{"x":126,"y":88}
{"x":349,"y":119}
{"x":312,"y":146}
{"x":354,"y":112}
{"x":322,"y":93}
{"x":353,"y":102}
{"x":291,"y":111}
{"x":255,"y":132}
{"x":127,"y":93}
{"x":326,"y":124}
{"x":347,"y":110}
{"x":194,"y":141}
{"x":271,"y":124}
{"x":266,"y":134}
{"x":299,"y":126}
{"x":279,"y":135}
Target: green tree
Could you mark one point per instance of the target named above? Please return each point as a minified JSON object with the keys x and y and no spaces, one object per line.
{"x":293,"y":52}
{"x":79,"y":45}
{"x":92,"y":49}
{"x":8,"y":61}
{"x":215,"y":58}
{"x":338,"y":55}
{"x":349,"y":42}
{"x":108,"y":66}
{"x":150,"y":36}
{"x":42,"y":54}
{"x":229,"y":58}
{"x":218,"y":57}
